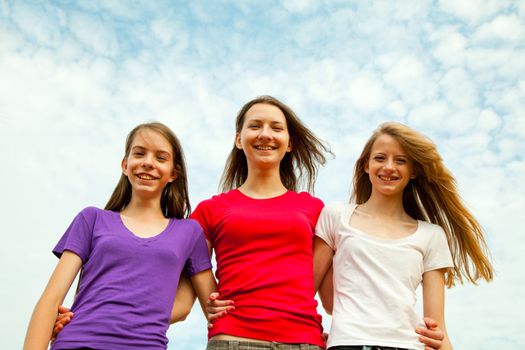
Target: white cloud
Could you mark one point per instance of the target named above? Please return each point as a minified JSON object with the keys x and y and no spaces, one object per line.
{"x":450,"y":46}
{"x":366,"y":92}
{"x":514,"y":126}
{"x":397,"y":108}
{"x":459,"y":90}
{"x":408,"y":77}
{"x":96,"y":35}
{"x":511,"y":145}
{"x":505,"y":28}
{"x":37,"y":23}
{"x":300,"y":5}
{"x":495,"y":63}
{"x":473,"y":11}
{"x":164,"y":31}
{"x":472,"y":142}
{"x":429,"y":115}
{"x":488,"y":120}
{"x":402,"y":10}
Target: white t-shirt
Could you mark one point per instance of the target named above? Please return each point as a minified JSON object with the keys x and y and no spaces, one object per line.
{"x":375,"y":279}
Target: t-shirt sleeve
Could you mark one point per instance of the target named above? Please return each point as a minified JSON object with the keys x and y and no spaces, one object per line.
{"x":77,"y":237}
{"x":202,"y":214}
{"x":199,"y":259}
{"x":326,"y":225}
{"x":438,"y":252}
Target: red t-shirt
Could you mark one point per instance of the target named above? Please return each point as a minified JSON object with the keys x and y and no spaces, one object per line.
{"x":263,"y":249}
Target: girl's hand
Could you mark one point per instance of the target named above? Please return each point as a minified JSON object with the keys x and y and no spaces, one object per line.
{"x":63,"y":318}
{"x":216,"y":308}
{"x":432,"y":336}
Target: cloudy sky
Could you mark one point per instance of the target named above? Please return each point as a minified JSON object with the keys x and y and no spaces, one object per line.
{"x":75,"y":77}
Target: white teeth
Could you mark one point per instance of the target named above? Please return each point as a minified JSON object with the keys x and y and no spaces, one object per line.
{"x":145,"y":177}
{"x":264,"y":148}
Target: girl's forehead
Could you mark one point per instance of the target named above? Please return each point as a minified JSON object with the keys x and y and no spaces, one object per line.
{"x":385,"y":142}
{"x":151,"y":139}
{"x":264,"y":111}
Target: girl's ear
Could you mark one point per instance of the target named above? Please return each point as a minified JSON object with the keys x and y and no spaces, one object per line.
{"x":238,"y":143}
{"x":415,"y":169}
{"x":173,"y":176}
{"x":367,"y":169}
{"x":290,"y":148}
{"x":124,"y":165}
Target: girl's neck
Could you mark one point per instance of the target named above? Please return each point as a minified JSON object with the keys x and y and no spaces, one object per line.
{"x":143,"y":208}
{"x":263,"y":184}
{"x":384,"y":206}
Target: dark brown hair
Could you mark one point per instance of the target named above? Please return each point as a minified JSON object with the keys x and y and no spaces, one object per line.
{"x":432,"y":196}
{"x":174,"y":201}
{"x":306,"y":155}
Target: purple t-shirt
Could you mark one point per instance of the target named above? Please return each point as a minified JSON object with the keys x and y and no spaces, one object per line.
{"x":128,"y":283}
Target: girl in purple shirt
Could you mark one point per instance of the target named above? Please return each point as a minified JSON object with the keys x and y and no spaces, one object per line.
{"x":131,"y":255}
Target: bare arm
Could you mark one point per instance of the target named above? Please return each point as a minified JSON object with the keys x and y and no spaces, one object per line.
{"x":201,"y":286}
{"x":45,"y":312}
{"x":214,"y":307}
{"x":326,"y":291}
{"x":184,"y":300}
{"x":204,"y":285}
{"x":323,"y":255}
{"x":434,"y":308}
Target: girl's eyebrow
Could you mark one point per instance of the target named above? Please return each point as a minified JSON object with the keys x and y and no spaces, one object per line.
{"x":162,"y":152}
{"x":255,"y":120}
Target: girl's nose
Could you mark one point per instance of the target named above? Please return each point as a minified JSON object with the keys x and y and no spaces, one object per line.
{"x":389,"y":164}
{"x":147,"y":161}
{"x":265,"y":133}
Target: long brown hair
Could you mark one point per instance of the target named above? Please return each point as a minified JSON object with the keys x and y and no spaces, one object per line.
{"x":308,"y":152}
{"x":174,"y":201}
{"x":432,"y":196}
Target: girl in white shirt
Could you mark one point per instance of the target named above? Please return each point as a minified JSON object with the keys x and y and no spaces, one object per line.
{"x":406,"y":226}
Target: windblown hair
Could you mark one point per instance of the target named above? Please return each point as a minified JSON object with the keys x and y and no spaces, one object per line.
{"x":432,"y":196}
{"x":174,"y":201}
{"x":298,"y":168}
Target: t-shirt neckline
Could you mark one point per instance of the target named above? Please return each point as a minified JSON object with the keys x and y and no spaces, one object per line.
{"x":239,"y":193}
{"x":141,"y":239}
{"x":346,"y":221}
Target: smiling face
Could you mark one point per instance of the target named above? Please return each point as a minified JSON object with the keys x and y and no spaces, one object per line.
{"x":264,"y":136}
{"x":389,"y":167}
{"x":149,"y":164}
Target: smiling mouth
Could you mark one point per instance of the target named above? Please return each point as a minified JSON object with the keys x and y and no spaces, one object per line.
{"x":388,"y":178}
{"x":146,"y":177}
{"x":265,"y":148}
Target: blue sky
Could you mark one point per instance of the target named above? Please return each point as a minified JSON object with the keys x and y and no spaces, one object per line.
{"x":75,"y":77}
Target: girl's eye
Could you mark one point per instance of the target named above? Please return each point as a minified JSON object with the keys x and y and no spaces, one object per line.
{"x":379,"y":158}
{"x":138,"y":153}
{"x":401,"y":161}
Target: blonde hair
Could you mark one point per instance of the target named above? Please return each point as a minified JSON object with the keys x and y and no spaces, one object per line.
{"x":298,"y":167}
{"x":432,"y":196}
